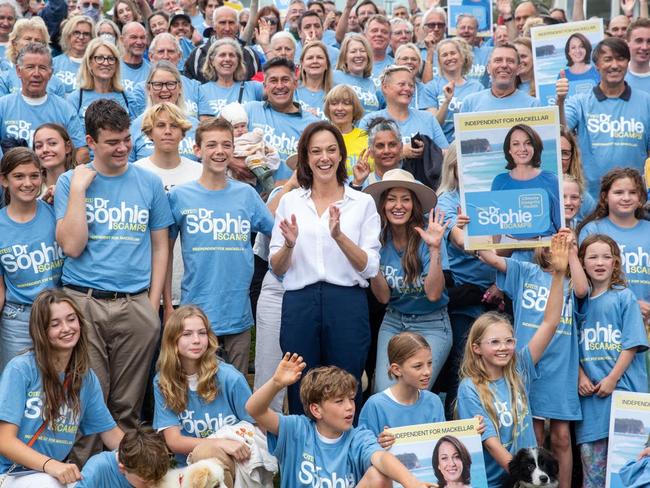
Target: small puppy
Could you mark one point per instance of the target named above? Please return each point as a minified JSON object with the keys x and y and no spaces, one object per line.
{"x":533,"y":467}
{"x":206,"y":473}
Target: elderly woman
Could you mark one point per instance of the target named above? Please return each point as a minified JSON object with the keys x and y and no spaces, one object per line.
{"x":99,"y":77}
{"x":163,"y":84}
{"x":107,"y":30}
{"x":283,"y":45}
{"x":315,"y":78}
{"x":409,"y":55}
{"x":76,"y":34}
{"x":226,"y":73}
{"x":398,"y":86}
{"x":354,"y":68}
{"x":24,"y":32}
{"x":10,"y":12}
{"x":325,"y":244}
{"x":384,"y":147}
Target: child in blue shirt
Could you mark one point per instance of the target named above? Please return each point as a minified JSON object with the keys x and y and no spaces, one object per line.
{"x":612,"y":348}
{"x":496,"y":377}
{"x":322,"y":448}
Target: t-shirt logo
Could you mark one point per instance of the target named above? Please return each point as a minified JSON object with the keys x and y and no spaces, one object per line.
{"x":206,"y":425}
{"x":121,"y":217}
{"x":281,"y":142}
{"x":635,"y":261}
{"x":601,"y":338}
{"x":41,"y":258}
{"x":20,"y":129}
{"x":312,"y":475}
{"x":67,"y":422}
{"x":226,"y":228}
{"x":68,"y":78}
{"x":615,"y":128}
{"x":397,"y":281}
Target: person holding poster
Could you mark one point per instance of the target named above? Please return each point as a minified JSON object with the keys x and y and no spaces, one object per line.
{"x":582,"y":75}
{"x":452,"y":463}
{"x":497,"y":377}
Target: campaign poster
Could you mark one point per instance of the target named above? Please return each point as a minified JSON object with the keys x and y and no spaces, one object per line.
{"x":510,"y":177}
{"x":629,"y":435}
{"x":565,"y":48}
{"x":444,"y":451}
{"x":481,"y":9}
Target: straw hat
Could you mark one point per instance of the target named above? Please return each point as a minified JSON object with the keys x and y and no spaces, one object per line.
{"x":399,"y":178}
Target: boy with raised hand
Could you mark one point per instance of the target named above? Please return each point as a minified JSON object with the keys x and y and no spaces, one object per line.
{"x":323,"y":448}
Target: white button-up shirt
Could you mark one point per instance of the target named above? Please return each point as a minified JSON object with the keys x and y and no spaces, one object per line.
{"x":316,"y":256}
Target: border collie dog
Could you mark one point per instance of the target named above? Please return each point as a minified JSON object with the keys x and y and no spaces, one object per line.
{"x":533,"y":467}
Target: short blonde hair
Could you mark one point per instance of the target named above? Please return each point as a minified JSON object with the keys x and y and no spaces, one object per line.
{"x":70,"y":25}
{"x":211,"y":73}
{"x":342,"y":63}
{"x":412,"y":47}
{"x":344,"y":92}
{"x":21,"y":25}
{"x":326,"y":383}
{"x":175,"y":114}
{"x":463,"y":48}
{"x":85,"y":77}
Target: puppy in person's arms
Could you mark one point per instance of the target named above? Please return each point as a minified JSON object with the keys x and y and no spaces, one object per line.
{"x":533,"y":467}
{"x":206,"y":473}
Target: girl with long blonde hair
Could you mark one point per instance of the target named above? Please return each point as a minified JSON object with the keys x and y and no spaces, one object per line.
{"x":496,"y":376}
{"x":196,"y":393}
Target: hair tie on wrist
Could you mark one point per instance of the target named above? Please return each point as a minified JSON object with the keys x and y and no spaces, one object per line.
{"x":47,"y":461}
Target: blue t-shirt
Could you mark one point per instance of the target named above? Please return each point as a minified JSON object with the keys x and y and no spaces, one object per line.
{"x":554,"y":394}
{"x":436,"y":89}
{"x":66,"y":69}
{"x":102,"y":471}
{"x":634,"y":244}
{"x":281,"y":130}
{"x":190,"y":96}
{"x":306,"y":461}
{"x":478,"y":71}
{"x":21,"y":405}
{"x":378,"y":68}
{"x":201,"y":419}
{"x":469,"y":405}
{"x":311,"y":101}
{"x":215,"y":228}
{"x":545,"y":181}
{"x":611,"y":132}
{"x":421,"y":99}
{"x":20,"y":119}
{"x":485,"y":101}
{"x":10,"y":83}
{"x":364,"y":88}
{"x":213,"y":97}
{"x":382,"y":411}
{"x":583,"y":82}
{"x":418,"y":121}
{"x":409,"y":298}
{"x":143,"y":146}
{"x":132,"y":76}
{"x":81,"y":100}
{"x":120,"y":211}
{"x":609,"y":323}
{"x":30,"y":258}
{"x":638,"y":81}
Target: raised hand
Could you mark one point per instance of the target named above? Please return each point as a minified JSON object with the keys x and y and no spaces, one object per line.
{"x":559,"y":253}
{"x":504,"y":7}
{"x":263,"y":32}
{"x":561,"y":87}
{"x":627,"y":6}
{"x":361,"y":170}
{"x":82,"y":177}
{"x":435,"y":232}
{"x":289,"y":370}
{"x":449,"y":90}
{"x":335,"y":221}
{"x":289,"y":230}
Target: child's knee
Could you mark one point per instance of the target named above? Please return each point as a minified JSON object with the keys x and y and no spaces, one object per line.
{"x":374,"y":479}
{"x":561,"y":436}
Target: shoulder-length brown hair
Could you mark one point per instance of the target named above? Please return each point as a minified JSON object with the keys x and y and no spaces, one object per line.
{"x":326,"y":81}
{"x":465,"y":458}
{"x":304,"y":173}
{"x":618,"y":276}
{"x":70,"y":157}
{"x":535,"y":140}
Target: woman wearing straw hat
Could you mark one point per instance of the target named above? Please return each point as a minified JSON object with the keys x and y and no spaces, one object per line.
{"x":410,"y":278}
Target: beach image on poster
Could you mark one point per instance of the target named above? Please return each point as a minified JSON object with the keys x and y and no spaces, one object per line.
{"x":510,"y":177}
{"x":565,"y":50}
{"x":448,"y":452}
{"x":481,"y":9}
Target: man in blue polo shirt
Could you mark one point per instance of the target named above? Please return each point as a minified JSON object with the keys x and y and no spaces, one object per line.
{"x":281,"y":119}
{"x":612,"y":120}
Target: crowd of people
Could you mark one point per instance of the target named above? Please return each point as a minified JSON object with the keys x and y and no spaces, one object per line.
{"x":198,"y":198}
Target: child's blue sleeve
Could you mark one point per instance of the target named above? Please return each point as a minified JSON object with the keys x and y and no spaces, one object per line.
{"x":368,"y":417}
{"x":469,"y":405}
{"x":13,"y":394}
{"x":633,"y":333}
{"x":102,"y":470}
{"x":364,"y":444}
{"x":238,"y":393}
{"x":163,"y":416}
{"x":96,"y":417}
{"x":510,"y":281}
{"x":292,"y":430}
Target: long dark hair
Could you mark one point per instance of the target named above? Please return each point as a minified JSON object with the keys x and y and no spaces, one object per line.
{"x":70,"y":158}
{"x":535,"y":140}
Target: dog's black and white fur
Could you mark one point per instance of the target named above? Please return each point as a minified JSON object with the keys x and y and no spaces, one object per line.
{"x":533,"y":467}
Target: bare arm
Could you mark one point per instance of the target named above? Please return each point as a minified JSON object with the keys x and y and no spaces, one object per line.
{"x":578,"y":10}
{"x":111,"y":438}
{"x":145,"y":9}
{"x":379,"y":287}
{"x":433,"y":237}
{"x":491,"y":258}
{"x":159,"y":264}
{"x":167,"y":290}
{"x":500,"y":454}
{"x":72,"y":229}
{"x":342,"y":26}
{"x":250,"y":26}
{"x":387,"y":464}
{"x":358,"y":257}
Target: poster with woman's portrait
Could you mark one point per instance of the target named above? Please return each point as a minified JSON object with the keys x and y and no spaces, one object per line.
{"x":510,"y":177}
{"x":628,"y":455}
{"x":445,"y":453}
{"x":479,"y":9}
{"x":564,"y":50}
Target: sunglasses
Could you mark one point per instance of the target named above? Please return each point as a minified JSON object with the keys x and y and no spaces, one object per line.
{"x":435,"y":25}
{"x":270,"y":20}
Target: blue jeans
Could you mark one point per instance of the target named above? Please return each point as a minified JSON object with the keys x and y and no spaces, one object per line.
{"x":434,"y":327}
{"x":14,"y":331}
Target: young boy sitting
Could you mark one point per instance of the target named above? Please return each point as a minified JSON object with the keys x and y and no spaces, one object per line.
{"x":322,"y":448}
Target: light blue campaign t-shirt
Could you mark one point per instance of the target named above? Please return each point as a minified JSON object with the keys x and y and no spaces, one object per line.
{"x":638,"y":81}
{"x":66,"y":69}
{"x":383,"y":411}
{"x":378,"y":68}
{"x":102,"y":471}
{"x":418,"y":121}
{"x":582,"y":82}
{"x":306,"y":460}
{"x":311,"y":101}
{"x":281,"y":130}
{"x":190,"y":96}
{"x":30,"y":258}
{"x":21,"y":405}
{"x":201,"y":419}
{"x":409,"y":298}
{"x":18,"y":118}
{"x":215,"y":228}
{"x":121,"y":212}
{"x":131,"y":76}
{"x":81,"y":100}
{"x":511,"y":437}
{"x":609,"y":323}
{"x":436,"y":90}
{"x":10,"y":83}
{"x":634,"y":244}
{"x":611,"y":132}
{"x":485,"y":101}
{"x":143,"y":146}
{"x":554,"y":394}
{"x":214,"y":97}
{"x":478,"y":71}
{"x":364,"y":88}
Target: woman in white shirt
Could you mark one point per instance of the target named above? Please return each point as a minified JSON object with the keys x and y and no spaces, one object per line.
{"x":325,"y":244}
